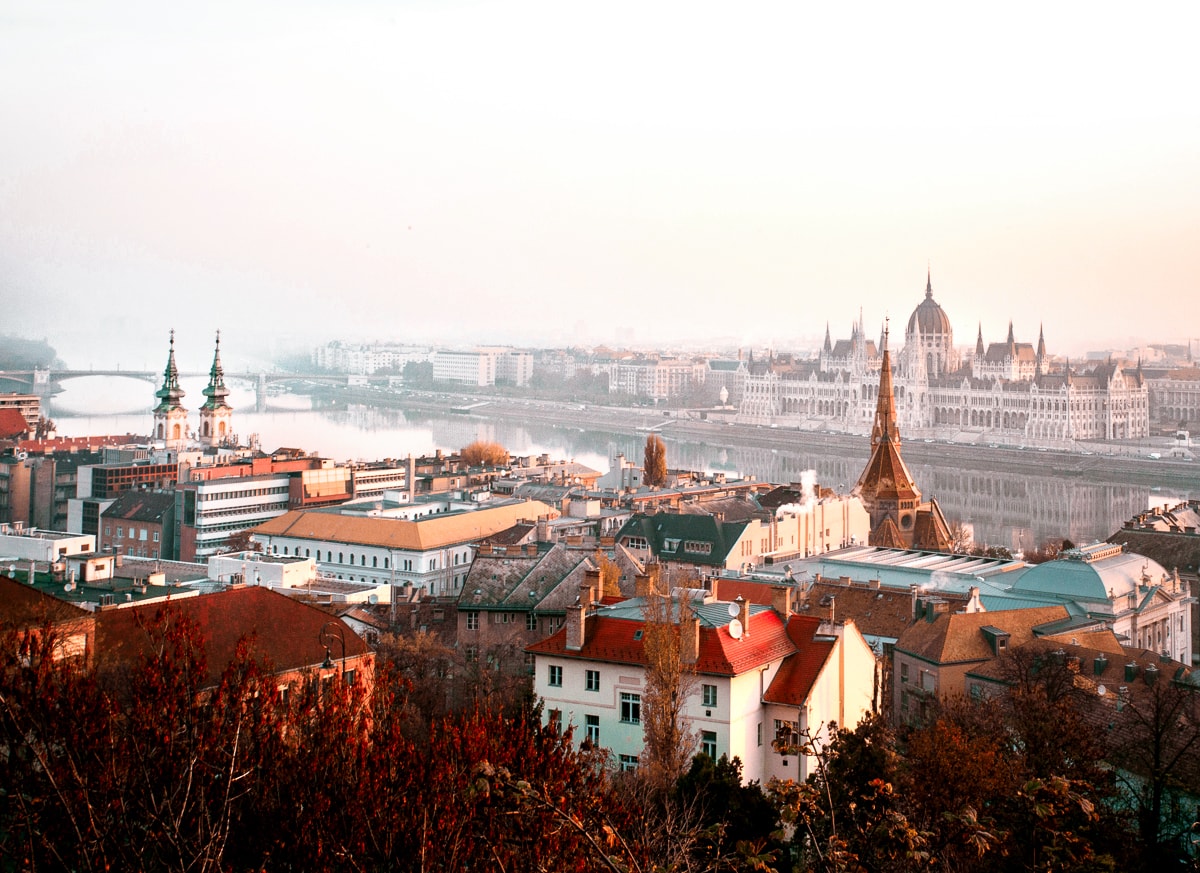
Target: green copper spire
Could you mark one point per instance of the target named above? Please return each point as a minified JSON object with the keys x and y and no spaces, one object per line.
{"x":170,"y":394}
{"x":216,"y":392}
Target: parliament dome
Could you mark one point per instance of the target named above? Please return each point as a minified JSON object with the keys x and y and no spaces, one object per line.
{"x":929,"y":317}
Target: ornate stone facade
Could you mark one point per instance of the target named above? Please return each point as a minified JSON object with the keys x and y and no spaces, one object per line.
{"x":1008,"y":391}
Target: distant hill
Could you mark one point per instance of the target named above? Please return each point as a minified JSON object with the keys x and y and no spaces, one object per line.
{"x":17,"y":353}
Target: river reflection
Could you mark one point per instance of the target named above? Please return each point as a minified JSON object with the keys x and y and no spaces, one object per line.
{"x":1005,"y":508}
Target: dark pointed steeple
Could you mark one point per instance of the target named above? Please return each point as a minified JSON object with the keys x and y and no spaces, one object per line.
{"x":928,"y":283}
{"x":885,"y":429}
{"x":828,"y":339}
{"x":979,"y":342}
{"x":1012,"y":340}
{"x":1041,"y":349}
{"x":170,"y":394}
{"x":886,"y":486}
{"x":216,"y":392}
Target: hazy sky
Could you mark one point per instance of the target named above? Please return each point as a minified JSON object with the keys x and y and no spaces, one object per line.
{"x":559,"y":172}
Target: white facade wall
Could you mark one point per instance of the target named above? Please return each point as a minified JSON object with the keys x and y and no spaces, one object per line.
{"x":259,"y":569}
{"x":38,"y":546}
{"x":515,"y":367}
{"x":466,"y":367}
{"x":735,"y":719}
{"x":224,"y":506}
{"x":440,"y":571}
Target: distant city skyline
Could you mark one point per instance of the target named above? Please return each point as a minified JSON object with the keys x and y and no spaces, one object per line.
{"x":644,"y":175}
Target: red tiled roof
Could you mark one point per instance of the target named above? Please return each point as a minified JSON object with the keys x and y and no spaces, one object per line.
{"x":794,"y":680}
{"x":752,"y":592}
{"x":612,"y":640}
{"x":280,"y":629}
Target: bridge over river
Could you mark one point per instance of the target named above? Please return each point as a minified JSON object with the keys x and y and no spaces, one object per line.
{"x":49,"y":381}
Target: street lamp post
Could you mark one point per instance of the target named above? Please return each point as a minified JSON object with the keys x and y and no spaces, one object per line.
{"x":329,"y":631}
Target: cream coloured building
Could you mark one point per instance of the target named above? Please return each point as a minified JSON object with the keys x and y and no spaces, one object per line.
{"x":411,"y":550}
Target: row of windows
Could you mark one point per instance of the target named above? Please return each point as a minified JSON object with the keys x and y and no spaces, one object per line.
{"x":134,"y":533}
{"x":591,"y":726}
{"x":253,"y":509}
{"x":203,"y":497}
{"x":531,"y":619}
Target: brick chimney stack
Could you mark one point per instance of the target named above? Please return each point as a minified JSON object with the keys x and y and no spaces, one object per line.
{"x":744,"y":614}
{"x":781,"y":600}
{"x":689,"y":637}
{"x":592,"y":581}
{"x":576,"y":626}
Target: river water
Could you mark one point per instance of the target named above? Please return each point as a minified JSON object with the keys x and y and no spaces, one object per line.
{"x":1018,"y":510}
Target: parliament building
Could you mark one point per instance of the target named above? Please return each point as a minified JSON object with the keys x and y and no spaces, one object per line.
{"x":1006,"y":391}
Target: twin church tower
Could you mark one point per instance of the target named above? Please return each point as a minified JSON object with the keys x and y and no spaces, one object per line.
{"x":170,"y":417}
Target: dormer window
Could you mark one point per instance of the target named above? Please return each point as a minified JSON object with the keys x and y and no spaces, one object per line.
{"x":997,"y":639}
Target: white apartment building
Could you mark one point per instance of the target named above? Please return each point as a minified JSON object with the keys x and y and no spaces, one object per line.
{"x":653,"y":378}
{"x":473,"y":367}
{"x":761,"y":674}
{"x":208,"y":512}
{"x":428,"y":548}
{"x":514,"y":368}
{"x":367,"y":359}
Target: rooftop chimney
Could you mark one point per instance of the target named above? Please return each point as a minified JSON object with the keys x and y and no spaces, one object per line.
{"x":744,"y":614}
{"x":689,"y":637}
{"x":590,"y":587}
{"x":576,"y":626}
{"x":781,"y":600}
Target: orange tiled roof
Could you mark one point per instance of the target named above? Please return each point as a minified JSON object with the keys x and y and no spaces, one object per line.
{"x":794,"y":680}
{"x":886,"y":476}
{"x":931,"y":531}
{"x":886,"y":535}
{"x":431,"y":532}
{"x":955,"y":638}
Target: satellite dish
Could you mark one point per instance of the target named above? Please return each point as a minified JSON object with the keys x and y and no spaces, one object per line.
{"x":735,"y":629}
{"x":373,"y":599}
{"x":733,"y":610}
{"x":1101,"y":690}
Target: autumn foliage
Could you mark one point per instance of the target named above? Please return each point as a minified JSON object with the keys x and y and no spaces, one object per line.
{"x":654,"y":461}
{"x":484,"y":454}
{"x":145,"y":768}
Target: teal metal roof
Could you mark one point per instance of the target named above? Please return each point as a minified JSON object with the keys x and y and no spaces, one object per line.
{"x":715,"y":614}
{"x":1094,"y":580}
{"x":901,"y":568}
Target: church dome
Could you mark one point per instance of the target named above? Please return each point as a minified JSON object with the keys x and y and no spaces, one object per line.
{"x":929,"y":317}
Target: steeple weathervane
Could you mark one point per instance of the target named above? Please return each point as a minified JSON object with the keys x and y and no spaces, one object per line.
{"x":216,"y":392}
{"x":170,"y":394}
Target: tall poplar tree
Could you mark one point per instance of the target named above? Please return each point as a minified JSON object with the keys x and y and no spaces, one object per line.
{"x":654,"y":464}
